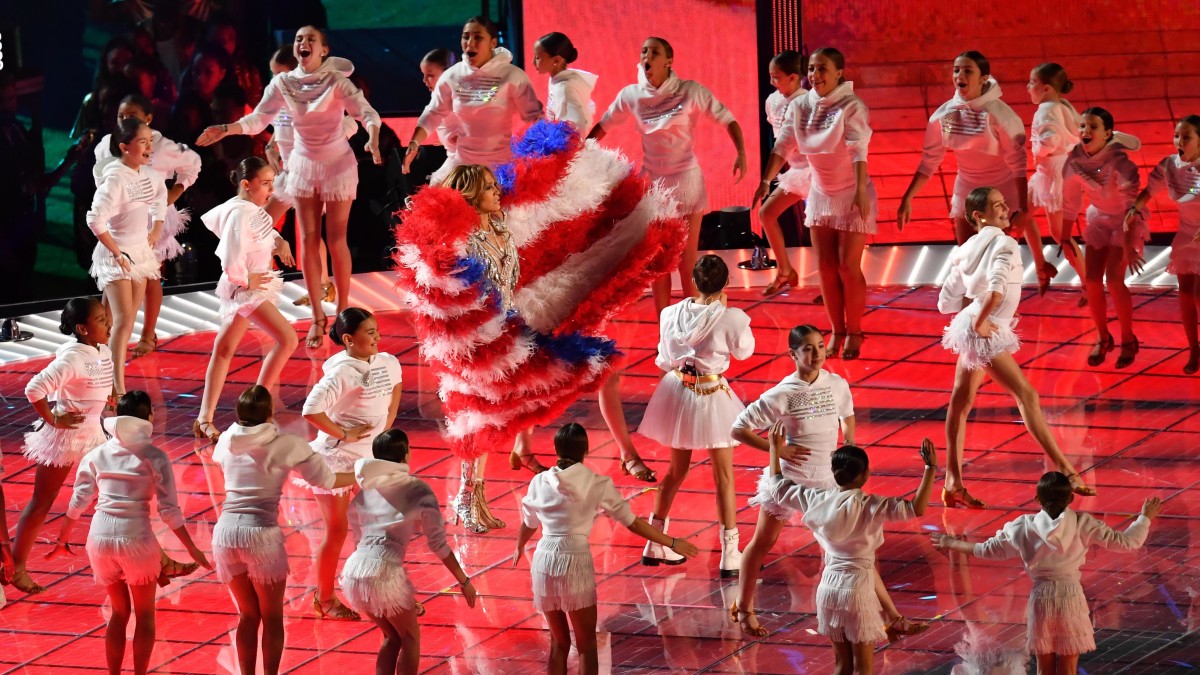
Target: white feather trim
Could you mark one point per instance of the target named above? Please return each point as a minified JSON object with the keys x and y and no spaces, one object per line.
{"x":414,"y":259}
{"x":420,"y":305}
{"x":451,"y":351}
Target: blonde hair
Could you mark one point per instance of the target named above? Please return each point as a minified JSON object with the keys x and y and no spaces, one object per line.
{"x":469,"y":180}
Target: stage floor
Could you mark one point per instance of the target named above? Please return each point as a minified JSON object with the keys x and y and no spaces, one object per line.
{"x":1132,"y":432}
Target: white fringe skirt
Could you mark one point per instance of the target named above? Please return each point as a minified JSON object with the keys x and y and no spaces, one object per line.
{"x":117,"y":554}
{"x":238,"y":301}
{"x":332,"y":180}
{"x":168,"y":247}
{"x":796,"y":181}
{"x":688,"y":188}
{"x":105,"y":269}
{"x":257,"y":552}
{"x":815,"y":473}
{"x":836,"y":211}
{"x":976,"y":352}
{"x":374,"y":581}
{"x":51,"y":446}
{"x":1185,"y":252}
{"x":1059,"y":622}
{"x":678,"y":417}
{"x":847,"y":608}
{"x":338,"y":458}
{"x":1046,"y":185}
{"x":281,"y":193}
{"x":1108,"y":229}
{"x":563,"y":574}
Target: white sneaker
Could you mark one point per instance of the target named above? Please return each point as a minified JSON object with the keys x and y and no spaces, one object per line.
{"x":731,"y":557}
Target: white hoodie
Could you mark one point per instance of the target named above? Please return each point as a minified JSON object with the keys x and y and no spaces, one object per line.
{"x":1181,"y":180}
{"x":847,"y":523}
{"x":564,"y":502}
{"x":484,"y":101}
{"x":777,"y":107}
{"x":988,"y":262}
{"x":1108,"y":178}
{"x":831,"y":132}
{"x":247,"y":238}
{"x":393,"y":503}
{"x":171,"y":159}
{"x":811,"y":414}
{"x":987,"y":137}
{"x":569,"y":99}
{"x":125,"y":200}
{"x":1055,"y":548}
{"x":353,"y":392}
{"x":79,"y":379}
{"x":666,"y":116}
{"x":703,"y":335}
{"x":1055,"y":130}
{"x":256,"y":462}
{"x":317,"y":102}
{"x":124,"y":473}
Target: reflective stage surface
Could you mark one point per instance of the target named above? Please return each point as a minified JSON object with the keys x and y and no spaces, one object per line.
{"x":1132,"y":432}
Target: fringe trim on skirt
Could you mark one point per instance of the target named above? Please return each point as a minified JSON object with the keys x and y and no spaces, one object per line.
{"x":1046,"y":184}
{"x":762,"y":498}
{"x":374,"y":581}
{"x":1059,"y":621}
{"x":257,"y":552}
{"x":976,"y":352}
{"x":168,"y":247}
{"x":688,"y":189}
{"x":51,"y":446}
{"x":837,"y":211}
{"x":797,"y":181}
{"x":847,"y":608}
{"x":335,"y":180}
{"x":105,"y":269}
{"x":135,"y":560}
{"x":1185,"y":254}
{"x":238,"y":301}
{"x":1103,"y":230}
{"x":563,"y":574}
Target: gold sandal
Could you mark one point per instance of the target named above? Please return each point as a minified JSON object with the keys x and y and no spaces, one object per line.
{"x":781,"y":283}
{"x":636,"y":467}
{"x":206,"y":429}
{"x":902,"y":627}
{"x":337,"y":611}
{"x":172,"y":568}
{"x":742,"y":618}
{"x":146,"y":345}
{"x":25,"y":583}
{"x":315,"y":341}
{"x":517,"y":461}
{"x":329,"y":292}
{"x":1079,"y":487}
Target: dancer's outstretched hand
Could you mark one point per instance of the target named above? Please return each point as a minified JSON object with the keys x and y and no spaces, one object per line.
{"x":61,"y":549}
{"x":212,"y":135}
{"x":739,"y":168}
{"x":410,"y":154}
{"x":372,"y":147}
{"x":941,"y":540}
{"x":283,"y":251}
{"x":1137,"y":261}
{"x":469,"y":593}
{"x":929,"y":453}
{"x":759,"y":194}
{"x":685,"y":548}
{"x":903,"y":214}
{"x":1152,"y":507}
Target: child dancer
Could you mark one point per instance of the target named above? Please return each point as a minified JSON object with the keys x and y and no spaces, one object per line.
{"x":569,"y":96}
{"x":129,"y":195}
{"x":80,"y":381}
{"x":786,"y":71}
{"x":1053,"y":544}
{"x":356,"y":399}
{"x":848,"y":523}
{"x":248,"y":547}
{"x":982,"y":291}
{"x":988,"y":140}
{"x":249,"y":286}
{"x":693,"y":407}
{"x":322,"y":173}
{"x":666,"y":110}
{"x":433,"y":64}
{"x":1054,"y":132}
{"x":482,"y":92}
{"x":1100,"y":168}
{"x":174,"y":161}
{"x":564,"y":501}
{"x":123,"y":474}
{"x":1179,"y":175}
{"x":813,"y":404}
{"x":393,"y":504}
{"x":829,"y":126}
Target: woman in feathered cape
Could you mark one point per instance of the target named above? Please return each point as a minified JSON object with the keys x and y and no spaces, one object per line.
{"x":510,"y":306}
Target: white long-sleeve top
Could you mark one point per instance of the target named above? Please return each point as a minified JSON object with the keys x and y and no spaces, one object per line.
{"x":171,"y":159}
{"x":569,"y":99}
{"x":565,"y":502}
{"x":1055,"y":130}
{"x":247,"y":238}
{"x":126,"y":199}
{"x":483,"y":101}
{"x":393,"y":503}
{"x":706,"y":336}
{"x":847,"y":523}
{"x":832,"y":132}
{"x":777,"y":106}
{"x":1108,"y":178}
{"x":1055,"y":548}
{"x":666,"y":116}
{"x":353,"y":392}
{"x":79,"y":379}
{"x":988,"y":262}
{"x":123,"y":474}
{"x":1181,"y":180}
{"x":811,"y":414}
{"x":317,"y":103}
{"x":987,"y":137}
{"x":284,"y":135}
{"x":256,"y":462}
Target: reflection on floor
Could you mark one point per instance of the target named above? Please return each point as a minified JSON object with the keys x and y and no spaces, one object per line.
{"x":1132,"y":432}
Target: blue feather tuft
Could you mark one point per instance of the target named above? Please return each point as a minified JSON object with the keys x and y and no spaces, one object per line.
{"x":506,"y":176}
{"x":543,"y":139}
{"x":575,"y":348}
{"x":470,"y":270}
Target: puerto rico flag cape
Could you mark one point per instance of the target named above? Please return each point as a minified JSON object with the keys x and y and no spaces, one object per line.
{"x":591,"y":235}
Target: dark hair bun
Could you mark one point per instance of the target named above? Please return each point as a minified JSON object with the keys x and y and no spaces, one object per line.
{"x":76,"y":312}
{"x":1067,"y":87}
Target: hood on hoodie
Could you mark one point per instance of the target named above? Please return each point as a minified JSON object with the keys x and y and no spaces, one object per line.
{"x":129,"y":432}
{"x":75,"y":347}
{"x":500,"y":57}
{"x":243,"y":439}
{"x":1057,"y":532}
{"x":839,"y":92}
{"x":588,"y":79}
{"x":668,"y":86}
{"x":343,"y":358}
{"x":969,"y":258}
{"x":372,"y":474}
{"x":572,"y":482}
{"x":695,"y":322}
{"x":991,"y":92}
{"x":331,"y":64}
{"x":1127,"y":141}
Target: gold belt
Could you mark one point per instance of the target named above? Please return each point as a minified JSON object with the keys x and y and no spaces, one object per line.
{"x":693,"y":382}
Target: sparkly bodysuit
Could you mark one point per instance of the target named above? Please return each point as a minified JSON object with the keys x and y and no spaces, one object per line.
{"x":502,"y":264}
